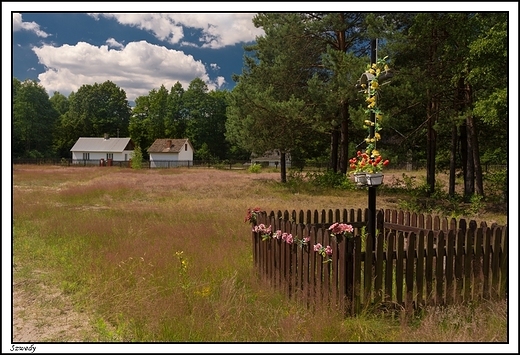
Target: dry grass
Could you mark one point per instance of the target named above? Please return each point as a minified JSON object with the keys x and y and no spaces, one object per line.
{"x":165,"y":255}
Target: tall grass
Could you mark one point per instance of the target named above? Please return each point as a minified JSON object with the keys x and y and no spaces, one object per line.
{"x":165,"y":256}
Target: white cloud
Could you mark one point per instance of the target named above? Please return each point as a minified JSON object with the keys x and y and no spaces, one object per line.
{"x":218,"y":29}
{"x":220,"y":81}
{"x":214,"y":66}
{"x":113,"y":43}
{"x":19,"y":25}
{"x":137,"y":68}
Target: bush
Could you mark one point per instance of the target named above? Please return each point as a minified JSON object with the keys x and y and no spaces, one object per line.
{"x":496,"y":185}
{"x":330,"y":179}
{"x":137,"y":159}
{"x":254,"y":168}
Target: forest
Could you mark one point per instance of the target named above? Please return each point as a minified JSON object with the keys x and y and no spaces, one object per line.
{"x":444,"y":108}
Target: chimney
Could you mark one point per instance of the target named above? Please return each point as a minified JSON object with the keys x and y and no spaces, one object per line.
{"x":168,"y":143}
{"x":105,"y":136}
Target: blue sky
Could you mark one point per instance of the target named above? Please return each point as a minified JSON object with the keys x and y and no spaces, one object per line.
{"x":137,"y":51}
{"x":77,"y":43}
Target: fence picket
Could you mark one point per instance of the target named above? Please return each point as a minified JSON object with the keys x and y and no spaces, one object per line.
{"x":294,"y":286}
{"x":486,"y":256}
{"x":421,"y":221}
{"x":495,"y":263}
{"x":368,"y":268}
{"x":468,"y":256}
{"x":450,"y":252}
{"x":399,"y":268}
{"x":313,"y":287}
{"x":429,"y":268}
{"x":504,"y":258}
{"x":389,"y":267}
{"x":414,"y":220}
{"x":319,"y":269}
{"x":477,"y":264}
{"x":439,"y":269}
{"x":308,"y":219}
{"x":459,"y":269}
{"x":342,"y":271}
{"x":378,"y":283}
{"x":420,"y":269}
{"x":356,"y":295}
{"x":436,"y":223}
{"x":409,"y":275}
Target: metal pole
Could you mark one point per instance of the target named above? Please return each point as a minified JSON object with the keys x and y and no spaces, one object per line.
{"x":372,"y":189}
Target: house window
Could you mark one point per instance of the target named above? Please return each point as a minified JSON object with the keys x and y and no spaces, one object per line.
{"x":186,"y":146}
{"x":126,"y":157}
{"x":110,"y":156}
{"x":86,"y":156}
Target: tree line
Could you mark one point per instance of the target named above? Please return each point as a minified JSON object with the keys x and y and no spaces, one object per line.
{"x":445,"y":106}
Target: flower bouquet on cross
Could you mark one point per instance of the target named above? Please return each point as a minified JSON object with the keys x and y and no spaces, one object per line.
{"x":368,"y":165}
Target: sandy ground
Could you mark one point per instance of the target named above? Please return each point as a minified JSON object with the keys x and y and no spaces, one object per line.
{"x":45,"y":314}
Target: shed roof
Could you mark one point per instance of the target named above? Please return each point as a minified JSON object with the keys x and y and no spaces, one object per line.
{"x":168,"y":145}
{"x":271,"y":155}
{"x":94,"y":144}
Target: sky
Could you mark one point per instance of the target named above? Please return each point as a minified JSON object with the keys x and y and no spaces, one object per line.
{"x":137,"y":51}
{"x":66,"y":45}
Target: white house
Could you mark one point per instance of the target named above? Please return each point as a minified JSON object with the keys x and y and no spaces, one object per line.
{"x":169,"y":152}
{"x":90,"y":150}
{"x":271,"y":158}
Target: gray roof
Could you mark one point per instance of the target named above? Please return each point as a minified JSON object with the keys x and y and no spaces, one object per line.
{"x":273,"y":155}
{"x":168,"y":145}
{"x":110,"y":145}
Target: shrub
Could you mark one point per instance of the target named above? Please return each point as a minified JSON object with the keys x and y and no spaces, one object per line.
{"x":137,"y":158}
{"x":254,"y":168}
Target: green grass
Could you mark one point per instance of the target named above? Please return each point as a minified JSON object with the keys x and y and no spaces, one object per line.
{"x":165,"y":256}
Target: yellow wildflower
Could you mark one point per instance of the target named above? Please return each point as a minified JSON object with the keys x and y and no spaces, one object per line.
{"x":372,"y":71}
{"x":374,"y":85}
{"x":375,"y":153}
{"x":369,"y":123}
{"x":374,"y":65}
{"x":378,"y":71}
{"x":379,"y":116}
{"x":377,"y":136}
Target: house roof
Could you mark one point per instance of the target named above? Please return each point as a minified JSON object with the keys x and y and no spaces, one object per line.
{"x":94,"y":144}
{"x":168,"y":145}
{"x":270,"y":155}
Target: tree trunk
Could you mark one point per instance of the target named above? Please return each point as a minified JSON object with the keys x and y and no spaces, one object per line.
{"x":283,"y":169}
{"x":431,"y":146}
{"x":453,"y":155}
{"x":464,"y":151}
{"x":478,"y":186}
{"x":343,"y":163}
{"x":458,"y":106}
{"x":334,"y":150}
{"x":469,"y":181}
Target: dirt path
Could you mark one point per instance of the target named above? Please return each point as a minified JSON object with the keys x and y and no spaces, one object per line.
{"x":44,"y":314}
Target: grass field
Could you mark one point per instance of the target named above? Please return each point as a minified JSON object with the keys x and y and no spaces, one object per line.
{"x":165,"y":256}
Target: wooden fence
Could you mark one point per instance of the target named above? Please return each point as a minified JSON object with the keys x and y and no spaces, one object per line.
{"x":416,"y":260}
